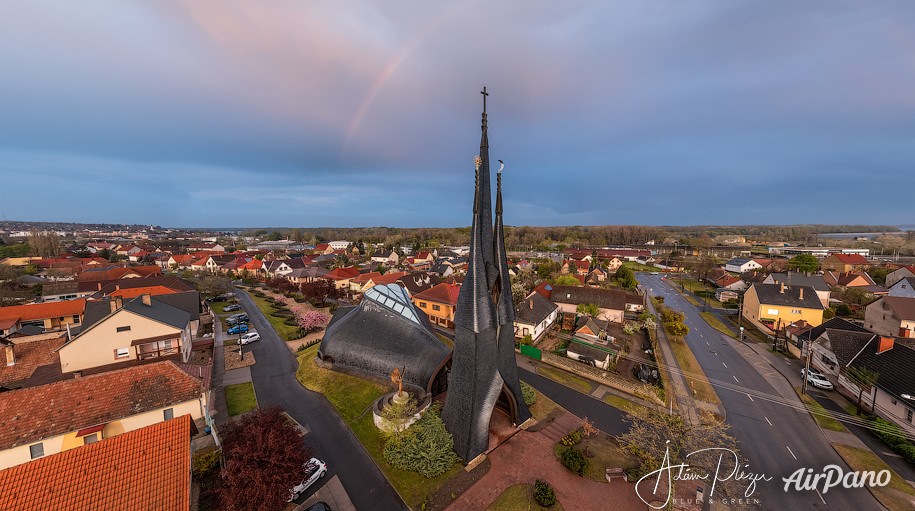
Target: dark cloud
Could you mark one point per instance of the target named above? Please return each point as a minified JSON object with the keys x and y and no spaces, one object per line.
{"x":327,"y":114}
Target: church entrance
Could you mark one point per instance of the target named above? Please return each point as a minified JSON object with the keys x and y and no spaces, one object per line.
{"x":502,"y":421}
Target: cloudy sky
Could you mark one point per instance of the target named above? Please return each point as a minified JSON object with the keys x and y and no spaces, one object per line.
{"x":363,"y":113}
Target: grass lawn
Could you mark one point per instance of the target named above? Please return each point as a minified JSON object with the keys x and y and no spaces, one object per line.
{"x":568,"y":379}
{"x":820,"y":414}
{"x":634,"y":266}
{"x":625,"y":405}
{"x":542,"y":407}
{"x":897,"y":495}
{"x":351,"y":397}
{"x":520,"y":497}
{"x":695,"y":375}
{"x":602,"y":453}
{"x":750,"y":332}
{"x":716,"y":323}
{"x":218,"y":307}
{"x":241,"y":398}
{"x":286,"y":332}
{"x":695,"y":286}
{"x":693,"y":301}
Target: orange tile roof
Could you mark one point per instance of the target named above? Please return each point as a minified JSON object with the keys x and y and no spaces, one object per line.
{"x":31,"y":414}
{"x":35,"y":311}
{"x":147,"y":290}
{"x":441,"y":293}
{"x":183,"y":259}
{"x":365,"y":277}
{"x":851,"y":258}
{"x":389,"y":278}
{"x":342,"y":273}
{"x":149,"y":468}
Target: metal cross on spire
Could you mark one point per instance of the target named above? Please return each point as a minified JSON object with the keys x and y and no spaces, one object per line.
{"x":484,"y":93}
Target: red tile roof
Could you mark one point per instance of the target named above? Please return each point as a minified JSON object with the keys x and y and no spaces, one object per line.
{"x":365,"y":277}
{"x":118,"y":272}
{"x":851,"y":258}
{"x":29,"y":356}
{"x":35,"y":311}
{"x":147,"y":290}
{"x":31,"y":414}
{"x":149,"y":468}
{"x":183,"y":259}
{"x":441,"y":293}
{"x":342,"y":273}
{"x":389,"y":278}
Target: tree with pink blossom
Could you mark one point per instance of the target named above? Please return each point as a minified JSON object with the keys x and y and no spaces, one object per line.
{"x":312,"y":320}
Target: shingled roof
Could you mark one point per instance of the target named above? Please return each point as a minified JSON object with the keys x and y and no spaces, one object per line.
{"x":149,"y":468}
{"x":793,"y":278}
{"x":792,"y":296}
{"x":614,"y":299}
{"x":534,"y":309}
{"x":31,"y":414}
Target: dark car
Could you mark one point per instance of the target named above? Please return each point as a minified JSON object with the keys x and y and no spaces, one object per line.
{"x":318,"y":506}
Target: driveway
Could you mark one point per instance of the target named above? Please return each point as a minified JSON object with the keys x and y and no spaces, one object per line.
{"x":275,"y":384}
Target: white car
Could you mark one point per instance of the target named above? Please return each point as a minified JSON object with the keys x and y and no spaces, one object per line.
{"x":655,"y":273}
{"x":249,"y":337}
{"x":817,"y":379}
{"x":314,"y":470}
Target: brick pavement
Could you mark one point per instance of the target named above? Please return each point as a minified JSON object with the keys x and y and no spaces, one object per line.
{"x":528,"y":456}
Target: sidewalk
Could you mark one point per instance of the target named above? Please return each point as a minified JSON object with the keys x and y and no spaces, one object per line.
{"x":684,"y":398}
{"x":220,"y":408}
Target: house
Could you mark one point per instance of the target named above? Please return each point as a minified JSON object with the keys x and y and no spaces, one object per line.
{"x":306,"y":274}
{"x":118,"y":272}
{"x":417,"y":282}
{"x":534,"y":316}
{"x":215,"y":262}
{"x":360,"y":283}
{"x":50,"y":316}
{"x":904,"y":288}
{"x":591,"y":345}
{"x":891,"y":315}
{"x":206,"y":247}
{"x":342,"y":276}
{"x":730,"y":283}
{"x":596,"y":276}
{"x":844,"y":263}
{"x":441,"y":269}
{"x":725,"y":295}
{"x":21,"y":356}
{"x":672,"y":265}
{"x":899,"y":274}
{"x":741,"y":265}
{"x":148,"y":468}
{"x":774,"y":306}
{"x":338,"y":244}
{"x":48,"y":419}
{"x":612,"y":303}
{"x":439,"y":303}
{"x":124,"y":332}
{"x":64,"y":290}
{"x":793,"y":278}
{"x":800,"y":334}
{"x":282,"y":267}
{"x":323,"y":248}
{"x":848,"y":279}
{"x":892,"y":358}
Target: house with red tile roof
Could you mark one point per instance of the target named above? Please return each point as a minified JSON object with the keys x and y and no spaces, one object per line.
{"x":21,"y":356}
{"x":118,"y":272}
{"x":358,"y":283}
{"x":341,"y":276}
{"x":48,"y":419}
{"x":439,"y":303}
{"x":50,"y":315}
{"x":844,"y":263}
{"x":129,"y":293}
{"x":180,"y":261}
{"x":149,"y":468}
{"x":849,"y":279}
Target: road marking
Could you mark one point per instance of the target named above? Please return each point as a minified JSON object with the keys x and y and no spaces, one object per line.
{"x":735,"y":378}
{"x":818,"y":495}
{"x":795,"y":457}
{"x":751,"y":397}
{"x":725,"y":365}
{"x":767,"y":420}
{"x":707,"y":344}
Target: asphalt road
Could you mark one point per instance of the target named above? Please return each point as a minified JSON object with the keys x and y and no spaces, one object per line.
{"x":774,"y":438}
{"x":275,"y":384}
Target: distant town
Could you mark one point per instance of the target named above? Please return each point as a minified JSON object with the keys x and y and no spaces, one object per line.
{"x":191,"y":343}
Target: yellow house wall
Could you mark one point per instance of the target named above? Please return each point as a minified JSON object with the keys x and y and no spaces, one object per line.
{"x":56,"y":444}
{"x":97,"y":346}
{"x":445,"y":312}
{"x":755,"y":311}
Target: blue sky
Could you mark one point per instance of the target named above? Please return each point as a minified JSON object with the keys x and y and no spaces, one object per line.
{"x":290,"y":113}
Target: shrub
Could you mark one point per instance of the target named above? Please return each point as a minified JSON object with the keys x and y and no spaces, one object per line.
{"x":205,"y":464}
{"x":843,"y":310}
{"x":574,"y":460}
{"x":573,"y":438}
{"x":290,"y":322}
{"x":544,"y":494}
{"x":425,"y":447}
{"x":829,"y":314}
{"x":628,"y":328}
{"x":528,"y":393}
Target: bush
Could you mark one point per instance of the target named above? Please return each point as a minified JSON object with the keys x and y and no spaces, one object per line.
{"x":528,"y":393}
{"x":829,"y":314}
{"x":573,"y":438}
{"x":574,"y":460}
{"x":290,"y":322}
{"x":843,"y":310}
{"x":544,"y":494}
{"x":425,"y":447}
{"x":205,"y":464}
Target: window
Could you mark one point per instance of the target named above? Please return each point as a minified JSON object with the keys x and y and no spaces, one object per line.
{"x":123,"y":328}
{"x":795,"y":311}
{"x":436,"y":307}
{"x":122,"y":353}
{"x":36,"y":450}
{"x":76,"y":319}
{"x":90,"y":439}
{"x":422,"y":305}
{"x":168,"y":413}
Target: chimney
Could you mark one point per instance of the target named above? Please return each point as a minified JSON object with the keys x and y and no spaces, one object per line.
{"x":113,"y":303}
{"x":886,"y":344}
{"x":10,"y":356}
{"x":147,"y":300}
{"x":802,"y":293}
{"x":781,"y":288}
{"x":99,"y":286}
{"x":532,"y":304}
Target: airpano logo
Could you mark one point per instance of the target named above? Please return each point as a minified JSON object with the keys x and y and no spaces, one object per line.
{"x":833,"y":476}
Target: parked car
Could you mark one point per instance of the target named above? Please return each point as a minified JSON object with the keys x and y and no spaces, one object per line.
{"x":238,"y":329}
{"x":314,"y":470}
{"x":232,"y":308}
{"x":318,"y":506}
{"x":236,"y":319}
{"x":249,"y":337}
{"x":655,"y":273}
{"x":817,"y":379}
